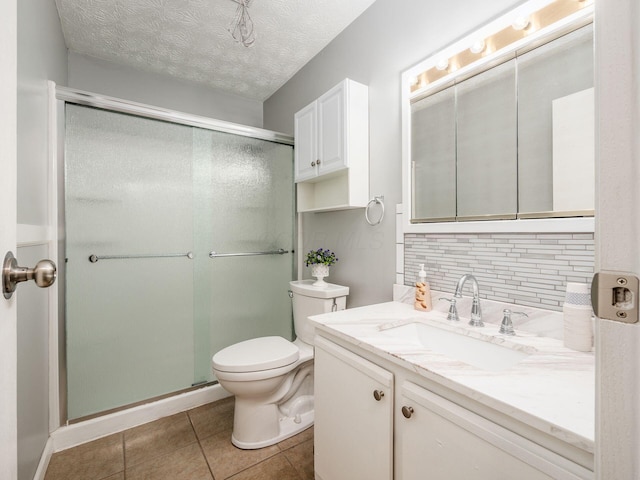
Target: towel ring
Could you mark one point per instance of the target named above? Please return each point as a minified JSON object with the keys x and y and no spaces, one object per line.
{"x":379,"y":200}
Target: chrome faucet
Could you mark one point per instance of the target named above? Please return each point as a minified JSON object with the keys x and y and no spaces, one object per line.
{"x":452,"y":316}
{"x":506,"y":327}
{"x":476,"y":312}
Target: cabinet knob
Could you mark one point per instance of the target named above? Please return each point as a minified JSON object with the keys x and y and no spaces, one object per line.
{"x":318,"y":162}
{"x":378,"y":394}
{"x":407,"y":412}
{"x":313,"y":164}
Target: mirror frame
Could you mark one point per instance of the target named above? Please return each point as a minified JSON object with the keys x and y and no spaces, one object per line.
{"x":410,"y":89}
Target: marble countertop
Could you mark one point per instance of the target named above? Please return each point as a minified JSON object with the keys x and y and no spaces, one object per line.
{"x":552,"y":389}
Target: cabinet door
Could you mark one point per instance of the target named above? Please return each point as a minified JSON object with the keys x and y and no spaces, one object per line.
{"x":332,"y":130}
{"x":443,"y":441}
{"x":353,"y":430}
{"x":486,"y":143}
{"x":306,"y":148}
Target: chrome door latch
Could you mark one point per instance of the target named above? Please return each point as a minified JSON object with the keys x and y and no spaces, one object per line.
{"x":44,"y":274}
{"x":614,"y":296}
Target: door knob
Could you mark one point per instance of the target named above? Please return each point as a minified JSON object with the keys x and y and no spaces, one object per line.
{"x":44,"y":274}
{"x":407,"y":412}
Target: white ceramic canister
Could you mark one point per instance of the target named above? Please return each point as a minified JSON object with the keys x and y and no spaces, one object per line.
{"x":578,"y":323}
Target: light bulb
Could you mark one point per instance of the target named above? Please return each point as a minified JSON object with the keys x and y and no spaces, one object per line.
{"x":477,"y":46}
{"x":442,"y":64}
{"x":520,"y":23}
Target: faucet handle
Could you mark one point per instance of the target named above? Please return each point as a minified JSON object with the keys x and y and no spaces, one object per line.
{"x":452,"y":316}
{"x":506,"y":327}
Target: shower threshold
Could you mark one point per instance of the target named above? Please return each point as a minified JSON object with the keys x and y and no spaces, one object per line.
{"x":196,"y":386}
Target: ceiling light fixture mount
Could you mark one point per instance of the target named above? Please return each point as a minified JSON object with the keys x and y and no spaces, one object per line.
{"x":241,"y":28}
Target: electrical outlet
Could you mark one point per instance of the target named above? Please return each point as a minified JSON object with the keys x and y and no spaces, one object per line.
{"x":614,"y":296}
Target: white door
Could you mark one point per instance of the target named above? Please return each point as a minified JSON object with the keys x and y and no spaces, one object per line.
{"x":8,"y":99}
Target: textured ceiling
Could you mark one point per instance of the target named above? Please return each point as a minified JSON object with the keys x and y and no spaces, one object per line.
{"x":189,"y":39}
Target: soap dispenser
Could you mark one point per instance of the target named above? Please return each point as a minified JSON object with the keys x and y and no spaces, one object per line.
{"x":423,"y":292}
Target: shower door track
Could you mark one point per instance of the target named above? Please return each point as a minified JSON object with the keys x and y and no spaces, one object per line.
{"x":79,"y":97}
{"x":146,"y":401}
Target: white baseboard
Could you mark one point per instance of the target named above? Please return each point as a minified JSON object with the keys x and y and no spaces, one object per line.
{"x":78,"y":433}
{"x":44,"y":460}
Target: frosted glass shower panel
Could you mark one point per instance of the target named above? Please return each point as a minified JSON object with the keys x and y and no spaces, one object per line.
{"x":138,"y":328}
{"x":128,"y":184}
{"x":244,"y":201}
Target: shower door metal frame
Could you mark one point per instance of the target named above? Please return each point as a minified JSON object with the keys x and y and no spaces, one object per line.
{"x":59,"y":96}
{"x":79,"y":97}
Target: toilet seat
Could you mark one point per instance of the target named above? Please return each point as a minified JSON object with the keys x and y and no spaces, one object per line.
{"x":256,"y":355}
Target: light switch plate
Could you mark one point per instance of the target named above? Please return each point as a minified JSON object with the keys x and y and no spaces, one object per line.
{"x":614,"y":296}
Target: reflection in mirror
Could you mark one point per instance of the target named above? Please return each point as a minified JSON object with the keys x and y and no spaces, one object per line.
{"x":555,"y":126}
{"x":503,"y":128}
{"x":514,"y":141}
{"x":433,"y":147}
{"x":486,"y":144}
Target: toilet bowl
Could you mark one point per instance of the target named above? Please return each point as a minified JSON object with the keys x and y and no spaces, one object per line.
{"x":271,"y":377}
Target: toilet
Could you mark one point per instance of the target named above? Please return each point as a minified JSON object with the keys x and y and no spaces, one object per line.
{"x":271,"y":377}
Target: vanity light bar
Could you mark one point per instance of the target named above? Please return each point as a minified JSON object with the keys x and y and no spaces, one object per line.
{"x":482,"y":48}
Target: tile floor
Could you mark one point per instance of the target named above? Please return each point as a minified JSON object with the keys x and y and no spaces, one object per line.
{"x":193,"y":445}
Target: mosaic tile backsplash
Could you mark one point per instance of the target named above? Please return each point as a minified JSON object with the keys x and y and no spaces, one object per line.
{"x":525,"y":269}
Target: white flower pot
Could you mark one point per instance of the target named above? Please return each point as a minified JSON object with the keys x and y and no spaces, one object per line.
{"x":320,"y":271}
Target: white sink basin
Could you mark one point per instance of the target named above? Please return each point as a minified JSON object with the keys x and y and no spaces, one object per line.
{"x":470,"y":350}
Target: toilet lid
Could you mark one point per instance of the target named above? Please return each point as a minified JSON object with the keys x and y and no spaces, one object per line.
{"x":256,"y":354}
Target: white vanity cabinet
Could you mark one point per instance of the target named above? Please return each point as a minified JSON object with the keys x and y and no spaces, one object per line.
{"x":353,"y":416}
{"x":425,"y":436}
{"x":442,"y":441}
{"x":332,"y":149}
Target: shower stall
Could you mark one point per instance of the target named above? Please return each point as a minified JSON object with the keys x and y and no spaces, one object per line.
{"x":178,"y":242}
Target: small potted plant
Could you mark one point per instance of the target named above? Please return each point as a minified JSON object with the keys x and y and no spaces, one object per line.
{"x":320,"y":260}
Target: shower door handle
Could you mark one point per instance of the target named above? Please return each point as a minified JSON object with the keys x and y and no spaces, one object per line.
{"x":44,"y":274}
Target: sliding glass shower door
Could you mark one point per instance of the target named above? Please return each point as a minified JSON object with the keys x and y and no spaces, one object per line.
{"x":146,"y":202}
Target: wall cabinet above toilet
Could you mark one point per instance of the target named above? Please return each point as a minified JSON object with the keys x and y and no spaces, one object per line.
{"x":332,"y":150}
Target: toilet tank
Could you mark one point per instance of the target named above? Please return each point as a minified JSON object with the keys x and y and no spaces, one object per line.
{"x":309,"y":300}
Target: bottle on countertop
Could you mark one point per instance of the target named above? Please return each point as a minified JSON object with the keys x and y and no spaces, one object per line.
{"x":423,"y":292}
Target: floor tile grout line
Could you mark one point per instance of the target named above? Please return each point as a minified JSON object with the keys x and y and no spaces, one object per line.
{"x":195,"y":432}
{"x":124,"y":458}
{"x":292,"y":465}
{"x":230,"y":477}
{"x":158,"y":455}
{"x":206,"y":460}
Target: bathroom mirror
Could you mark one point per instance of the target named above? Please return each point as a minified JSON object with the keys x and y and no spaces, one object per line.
{"x":509,"y":138}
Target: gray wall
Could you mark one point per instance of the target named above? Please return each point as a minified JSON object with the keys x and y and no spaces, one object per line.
{"x":375,"y":49}
{"x":42,"y":56}
{"x":100,"y":76}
